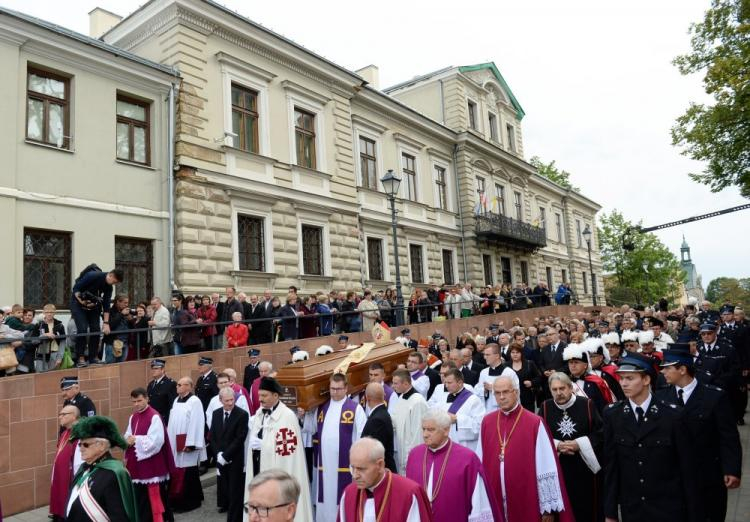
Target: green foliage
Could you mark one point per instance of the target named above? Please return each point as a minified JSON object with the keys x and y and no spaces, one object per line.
{"x":552,"y":173}
{"x":729,"y":290}
{"x":719,"y":134}
{"x":630,"y":283}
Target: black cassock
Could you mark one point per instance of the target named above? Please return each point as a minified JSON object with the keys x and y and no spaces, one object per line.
{"x":579,"y":419}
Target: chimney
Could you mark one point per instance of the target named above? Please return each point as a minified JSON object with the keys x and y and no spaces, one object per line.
{"x":371,"y":75}
{"x":101,"y":21}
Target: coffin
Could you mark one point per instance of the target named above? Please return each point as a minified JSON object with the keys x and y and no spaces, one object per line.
{"x":306,"y":382}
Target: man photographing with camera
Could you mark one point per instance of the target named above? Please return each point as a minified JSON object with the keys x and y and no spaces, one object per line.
{"x":92,"y":293}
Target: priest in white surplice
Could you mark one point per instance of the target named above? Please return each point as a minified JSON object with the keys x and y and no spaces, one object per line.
{"x":407,"y":417}
{"x":495,"y":368}
{"x":419,"y":379}
{"x":337,"y":424}
{"x":520,"y":462}
{"x":464,"y":408}
{"x":186,"y":437}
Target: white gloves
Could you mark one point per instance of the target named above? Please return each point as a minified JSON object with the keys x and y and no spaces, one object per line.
{"x":221,"y":460}
{"x":255,"y":443}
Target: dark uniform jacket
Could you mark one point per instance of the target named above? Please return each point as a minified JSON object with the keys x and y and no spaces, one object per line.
{"x":84,"y":404}
{"x":716,"y":443}
{"x":106,"y":491}
{"x":649,"y":470}
{"x":206,"y":388}
{"x":379,"y":426}
{"x":161,"y":396}
{"x":251,"y":373}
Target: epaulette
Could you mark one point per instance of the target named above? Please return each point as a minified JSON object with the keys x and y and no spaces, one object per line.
{"x":714,"y":387}
{"x":614,"y":405}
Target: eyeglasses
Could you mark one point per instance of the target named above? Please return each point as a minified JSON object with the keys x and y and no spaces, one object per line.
{"x":262,"y":511}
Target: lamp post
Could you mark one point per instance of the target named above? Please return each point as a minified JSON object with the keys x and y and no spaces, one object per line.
{"x":645,"y":269}
{"x":587,"y":236}
{"x":391,"y":184}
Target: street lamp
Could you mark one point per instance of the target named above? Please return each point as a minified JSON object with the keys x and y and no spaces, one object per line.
{"x":587,"y":236}
{"x":391,"y":184}
{"x":645,"y":269}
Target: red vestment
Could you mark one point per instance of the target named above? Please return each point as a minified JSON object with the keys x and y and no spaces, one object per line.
{"x":395,"y":508}
{"x":62,"y":474}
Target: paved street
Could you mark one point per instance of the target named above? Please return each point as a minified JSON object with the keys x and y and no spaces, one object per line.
{"x":739,"y":500}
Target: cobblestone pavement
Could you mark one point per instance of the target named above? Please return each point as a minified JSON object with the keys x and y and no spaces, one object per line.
{"x":738,"y":510}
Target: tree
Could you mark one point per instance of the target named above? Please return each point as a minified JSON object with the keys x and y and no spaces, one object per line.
{"x":729,"y":290}
{"x":719,"y":134}
{"x":631,"y":284}
{"x":552,"y":173}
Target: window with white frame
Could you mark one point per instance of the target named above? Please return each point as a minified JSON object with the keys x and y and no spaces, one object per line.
{"x":472,"y":109}
{"x":511,"y":131}
{"x":245,"y":118}
{"x":442,"y":187}
{"x":375,"y":270}
{"x":312,"y":250}
{"x":304,"y":137}
{"x":578,"y":233}
{"x":487,"y":268}
{"x":558,"y":226}
{"x":500,"y":195}
{"x":548,"y":271}
{"x":492,"y":121}
{"x":543,"y":218}
{"x":251,"y":242}
{"x":368,"y":163}
{"x":416,"y":260}
{"x":517,"y":203}
{"x":525,"y":272}
{"x":409,"y":170}
{"x":507,"y":272}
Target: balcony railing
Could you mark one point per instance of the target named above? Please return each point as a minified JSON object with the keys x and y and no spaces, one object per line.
{"x":496,"y":227}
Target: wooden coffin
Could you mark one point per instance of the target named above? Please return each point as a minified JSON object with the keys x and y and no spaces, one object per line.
{"x":306,"y":382}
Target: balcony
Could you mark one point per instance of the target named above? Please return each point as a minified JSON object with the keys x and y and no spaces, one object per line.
{"x":504,"y":229}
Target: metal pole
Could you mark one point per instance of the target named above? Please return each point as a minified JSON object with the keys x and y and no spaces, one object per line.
{"x":399,"y":296}
{"x":591,"y":271}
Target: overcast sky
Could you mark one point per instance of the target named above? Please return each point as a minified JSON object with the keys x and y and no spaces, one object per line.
{"x":595,"y":79}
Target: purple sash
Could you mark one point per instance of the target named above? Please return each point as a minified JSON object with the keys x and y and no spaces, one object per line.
{"x":388,"y":393}
{"x":416,"y":375}
{"x":363,"y":399}
{"x":459,"y":401}
{"x":346,"y":432}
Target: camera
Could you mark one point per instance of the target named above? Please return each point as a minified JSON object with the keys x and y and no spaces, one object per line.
{"x":90,"y":298}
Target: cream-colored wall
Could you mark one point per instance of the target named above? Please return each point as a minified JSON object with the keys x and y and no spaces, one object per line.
{"x":426,"y":98}
{"x":85,"y":190}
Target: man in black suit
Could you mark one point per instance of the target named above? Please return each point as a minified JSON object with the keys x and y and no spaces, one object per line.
{"x":470,"y":377}
{"x":229,"y":427}
{"x":432,"y":375}
{"x":551,"y":358}
{"x":379,"y":425}
{"x":467,"y":356}
{"x":259,"y":331}
{"x":252,"y":371}
{"x":712,"y":429}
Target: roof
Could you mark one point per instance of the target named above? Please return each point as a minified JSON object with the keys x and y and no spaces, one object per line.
{"x":520,"y":113}
{"x":87,"y":40}
{"x":417,"y":79}
{"x":257,"y":26}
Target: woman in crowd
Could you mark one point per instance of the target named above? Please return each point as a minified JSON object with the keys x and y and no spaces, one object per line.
{"x":206,"y":315}
{"x":50,"y":351}
{"x":412,"y":308}
{"x":308,"y":323}
{"x":528,"y":375}
{"x":120,"y":318}
{"x":288,"y":315}
{"x":237,"y":332}
{"x":140,"y":340}
{"x":187,"y":339}
{"x":369,"y":311}
{"x":386,"y":307}
{"x":487,"y":303}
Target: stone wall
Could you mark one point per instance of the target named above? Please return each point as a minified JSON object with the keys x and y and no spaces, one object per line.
{"x":29,"y":404}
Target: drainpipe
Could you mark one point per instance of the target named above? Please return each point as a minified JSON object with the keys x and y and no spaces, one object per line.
{"x":460,"y":216}
{"x":170,"y":186}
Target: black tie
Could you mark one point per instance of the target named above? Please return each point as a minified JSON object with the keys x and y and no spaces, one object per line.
{"x":496,"y":371}
{"x":226,"y":417}
{"x":680,"y":396}
{"x":452,"y":397}
{"x":266,"y":411}
{"x":639,"y":413}
{"x":368,"y":493}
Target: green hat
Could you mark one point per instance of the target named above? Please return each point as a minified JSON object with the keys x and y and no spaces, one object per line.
{"x":100,"y":427}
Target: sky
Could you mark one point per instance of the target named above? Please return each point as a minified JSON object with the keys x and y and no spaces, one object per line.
{"x":594,"y":78}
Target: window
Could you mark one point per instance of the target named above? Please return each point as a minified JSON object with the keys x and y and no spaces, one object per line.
{"x":549,"y":277}
{"x":47,"y":108}
{"x":448,"y":267}
{"x":487,"y":266}
{"x":245,"y":118}
{"x":442,"y":192}
{"x":564,"y":276}
{"x":415,"y":255}
{"x":408,"y":166}
{"x":375,"y":258}
{"x":304,"y":132}
{"x":251,"y":243}
{"x":585,"y":283}
{"x":507,"y":273}
{"x":578,"y":232}
{"x":312,"y":250}
{"x":46,"y":268}
{"x":136,"y":259}
{"x":525,"y":272}
{"x":558,"y":227}
{"x":368,"y":163}
{"x":517,"y":205}
{"x":472,"y":107}
{"x":543,"y":218}
{"x":133,"y":141}
{"x":511,"y":137}
{"x":493,"y":126}
{"x":480,"y":186}
{"x":500,"y":194}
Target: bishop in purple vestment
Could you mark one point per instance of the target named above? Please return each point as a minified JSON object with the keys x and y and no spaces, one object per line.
{"x":451,"y":474}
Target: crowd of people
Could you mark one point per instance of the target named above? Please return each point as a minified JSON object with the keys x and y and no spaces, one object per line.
{"x":105,"y":327}
{"x":629,"y":415}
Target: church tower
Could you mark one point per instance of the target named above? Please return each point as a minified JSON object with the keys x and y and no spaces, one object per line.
{"x":693,"y":286}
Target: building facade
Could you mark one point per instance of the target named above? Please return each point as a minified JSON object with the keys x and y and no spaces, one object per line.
{"x":84,"y":177}
{"x":281,"y":153}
